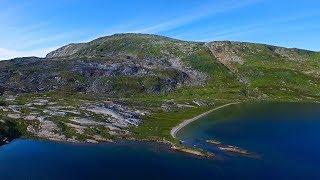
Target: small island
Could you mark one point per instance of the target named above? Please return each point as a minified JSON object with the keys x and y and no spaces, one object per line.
{"x":214,"y":142}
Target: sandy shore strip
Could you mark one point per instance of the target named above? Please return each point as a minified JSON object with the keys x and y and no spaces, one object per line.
{"x":188,"y":121}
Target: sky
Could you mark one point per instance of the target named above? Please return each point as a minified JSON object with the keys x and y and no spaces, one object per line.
{"x":36,"y":27}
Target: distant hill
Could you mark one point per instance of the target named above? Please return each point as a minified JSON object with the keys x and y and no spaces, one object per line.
{"x":102,"y":89}
{"x":140,"y":63}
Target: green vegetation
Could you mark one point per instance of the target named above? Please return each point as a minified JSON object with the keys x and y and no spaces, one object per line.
{"x":10,"y":130}
{"x":2,"y":101}
{"x":159,"y":125}
{"x":170,"y":79}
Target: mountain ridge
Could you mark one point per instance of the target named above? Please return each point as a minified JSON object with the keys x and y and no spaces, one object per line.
{"x":49,"y":55}
{"x":141,"y":86}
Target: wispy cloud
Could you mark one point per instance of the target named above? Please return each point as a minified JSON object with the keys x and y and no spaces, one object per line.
{"x":29,"y":40}
{"x":22,"y":35}
{"x":30,"y":28}
{"x":34,"y":41}
{"x":196,"y":14}
{"x":263,"y":25}
{"x":21,"y":39}
{"x":9,"y":53}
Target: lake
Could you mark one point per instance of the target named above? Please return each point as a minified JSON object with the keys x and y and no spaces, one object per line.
{"x":285,"y":139}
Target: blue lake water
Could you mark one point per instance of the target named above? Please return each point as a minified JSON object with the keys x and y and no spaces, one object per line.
{"x":285,"y":136}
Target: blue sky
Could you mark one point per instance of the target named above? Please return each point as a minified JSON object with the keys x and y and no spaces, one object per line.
{"x":35,"y":27}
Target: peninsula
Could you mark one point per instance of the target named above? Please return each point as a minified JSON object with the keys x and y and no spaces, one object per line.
{"x":144,"y":87}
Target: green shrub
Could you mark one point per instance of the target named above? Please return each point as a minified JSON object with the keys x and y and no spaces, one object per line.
{"x":2,"y":101}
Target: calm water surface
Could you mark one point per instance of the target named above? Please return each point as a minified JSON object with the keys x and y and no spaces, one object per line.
{"x":285,"y":136}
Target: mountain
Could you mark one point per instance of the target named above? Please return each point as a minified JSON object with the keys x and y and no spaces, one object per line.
{"x":140,"y":85}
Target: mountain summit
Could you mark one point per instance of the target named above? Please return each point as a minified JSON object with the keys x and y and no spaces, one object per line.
{"x":146,"y":63}
{"x":141,"y":86}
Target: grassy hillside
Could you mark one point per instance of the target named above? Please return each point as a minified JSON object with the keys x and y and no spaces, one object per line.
{"x":278,"y":73}
{"x":153,"y":80}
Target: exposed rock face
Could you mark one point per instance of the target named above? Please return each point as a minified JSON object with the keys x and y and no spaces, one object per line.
{"x":56,"y":120}
{"x":116,"y":72}
{"x":118,"y":115}
{"x":235,"y":55}
{"x":292,"y":54}
{"x":127,"y":64}
{"x":238,"y":52}
{"x":227,"y":52}
{"x":65,"y":51}
{"x":105,"y":64}
{"x":77,"y":75}
{"x":48,"y":130}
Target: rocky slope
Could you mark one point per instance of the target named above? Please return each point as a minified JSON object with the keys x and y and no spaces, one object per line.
{"x":102,"y":89}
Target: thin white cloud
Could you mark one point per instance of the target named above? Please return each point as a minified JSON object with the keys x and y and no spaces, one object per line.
{"x":28,"y":28}
{"x":39,"y":41}
{"x":10,"y":54}
{"x":262,"y":26}
{"x":19,"y":38}
{"x":199,"y":13}
{"x":35,"y":35}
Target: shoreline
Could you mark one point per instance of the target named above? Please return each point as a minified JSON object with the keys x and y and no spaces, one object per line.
{"x":180,"y":126}
{"x":168,"y":144}
{"x":173,"y":146}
